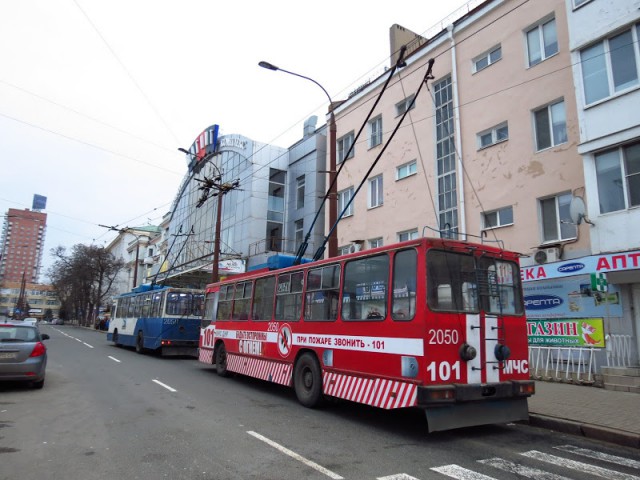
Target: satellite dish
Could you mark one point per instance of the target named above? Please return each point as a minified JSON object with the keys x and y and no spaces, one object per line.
{"x":577,"y":210}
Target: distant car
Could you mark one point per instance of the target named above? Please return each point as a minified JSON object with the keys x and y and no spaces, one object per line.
{"x":30,"y":321}
{"x":57,"y":321}
{"x":23,"y":356}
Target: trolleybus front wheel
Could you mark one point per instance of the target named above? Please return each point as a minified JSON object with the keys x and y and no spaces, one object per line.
{"x":221,"y":361}
{"x":307,"y":381}
{"x":140,"y":343}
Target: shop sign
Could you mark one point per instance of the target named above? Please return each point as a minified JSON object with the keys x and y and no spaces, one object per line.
{"x":577,"y":332}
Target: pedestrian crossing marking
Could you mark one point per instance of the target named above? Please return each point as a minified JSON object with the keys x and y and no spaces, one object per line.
{"x":460,"y":473}
{"x":521,"y":470}
{"x":398,"y":476}
{"x":585,"y":452}
{"x":579,"y":466}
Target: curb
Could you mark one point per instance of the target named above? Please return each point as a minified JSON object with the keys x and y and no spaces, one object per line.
{"x":606,"y":434}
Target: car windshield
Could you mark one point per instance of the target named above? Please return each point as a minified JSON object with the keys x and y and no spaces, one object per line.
{"x":16,"y":333}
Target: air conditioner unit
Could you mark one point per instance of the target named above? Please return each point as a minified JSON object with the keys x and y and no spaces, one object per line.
{"x":355,"y":247}
{"x":547,"y":255}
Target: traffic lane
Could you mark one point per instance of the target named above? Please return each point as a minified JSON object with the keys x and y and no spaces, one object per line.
{"x":135,"y":428}
{"x":356,"y":441}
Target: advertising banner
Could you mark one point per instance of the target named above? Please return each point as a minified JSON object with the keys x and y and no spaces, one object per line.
{"x":579,"y":332}
{"x":570,"y":297}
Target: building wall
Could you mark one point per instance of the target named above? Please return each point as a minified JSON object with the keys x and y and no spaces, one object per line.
{"x":39,"y":297}
{"x":508,"y":174}
{"x":22,"y":245}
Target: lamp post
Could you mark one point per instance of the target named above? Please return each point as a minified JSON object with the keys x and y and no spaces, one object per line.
{"x":332,"y":191}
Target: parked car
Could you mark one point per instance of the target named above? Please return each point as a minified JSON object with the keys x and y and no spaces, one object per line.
{"x":30,"y":321}
{"x":57,"y":321}
{"x":23,"y":356}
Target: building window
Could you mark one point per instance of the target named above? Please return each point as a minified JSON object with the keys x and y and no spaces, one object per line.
{"x":610,"y":66}
{"x":618,"y":173}
{"x":375,"y":242}
{"x":488,"y":58}
{"x":406,"y":170}
{"x":494,"y":135}
{"x":344,"y":250}
{"x":375,"y":131}
{"x":299,"y":227}
{"x":498,"y":218}
{"x":446,"y":159}
{"x":542,"y":42}
{"x":375,"y":192}
{"x":550,"y":125}
{"x":408,"y":235}
{"x":556,"y":219}
{"x":343,"y":198}
{"x":344,"y":144}
{"x":404,"y":105}
{"x":300,"y":192}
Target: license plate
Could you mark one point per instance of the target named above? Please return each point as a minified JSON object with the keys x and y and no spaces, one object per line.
{"x":8,"y":354}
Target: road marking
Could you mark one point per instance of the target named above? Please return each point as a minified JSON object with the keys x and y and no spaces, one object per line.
{"x":114,"y":359}
{"x":300,"y":458}
{"x":165,"y":386}
{"x":627,"y":462}
{"x":90,"y":346}
{"x":456,"y":471}
{"x":398,"y":476}
{"x":581,"y":467}
{"x":521,"y":470}
{"x":77,"y":339}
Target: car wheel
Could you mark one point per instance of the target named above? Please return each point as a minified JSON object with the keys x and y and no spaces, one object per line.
{"x":307,"y":381}
{"x":140,"y":343}
{"x":221,"y":361}
{"x":39,"y":384}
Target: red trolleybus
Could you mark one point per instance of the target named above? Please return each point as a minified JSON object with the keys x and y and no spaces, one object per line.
{"x":435,"y":324}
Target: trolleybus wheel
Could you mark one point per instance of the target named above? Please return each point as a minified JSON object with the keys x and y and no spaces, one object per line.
{"x":221,"y":361}
{"x":115,"y":338}
{"x":307,"y":381}
{"x":140,"y":343}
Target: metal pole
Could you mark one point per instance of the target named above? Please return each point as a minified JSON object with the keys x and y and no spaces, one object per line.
{"x":215,"y":275}
{"x":333,"y":186}
{"x":135,"y":268}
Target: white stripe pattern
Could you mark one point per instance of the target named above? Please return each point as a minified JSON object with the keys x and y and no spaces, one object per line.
{"x":275,"y":372}
{"x":377,"y":392}
{"x":581,"y":467}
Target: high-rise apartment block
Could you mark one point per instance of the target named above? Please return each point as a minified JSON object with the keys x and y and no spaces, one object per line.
{"x":22,"y":245}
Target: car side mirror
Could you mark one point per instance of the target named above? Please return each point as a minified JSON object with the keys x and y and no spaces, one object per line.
{"x":44,"y":336}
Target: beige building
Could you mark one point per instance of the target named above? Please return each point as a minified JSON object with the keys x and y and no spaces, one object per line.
{"x":40,"y":298}
{"x":487,"y":151}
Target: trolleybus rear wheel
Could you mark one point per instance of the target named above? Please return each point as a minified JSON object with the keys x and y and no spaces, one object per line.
{"x":140,"y":343}
{"x":307,"y":381}
{"x":221,"y":361}
{"x":115,"y":339}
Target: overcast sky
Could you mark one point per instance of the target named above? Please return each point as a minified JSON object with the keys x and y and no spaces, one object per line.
{"x":96,"y":96}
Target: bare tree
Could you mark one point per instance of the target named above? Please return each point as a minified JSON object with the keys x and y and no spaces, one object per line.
{"x":83,"y":279}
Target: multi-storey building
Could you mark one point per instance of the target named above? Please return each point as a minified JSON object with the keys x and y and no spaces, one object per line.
{"x":22,"y":245}
{"x":605,"y":57}
{"x":490,"y":149}
{"x":40,"y":298}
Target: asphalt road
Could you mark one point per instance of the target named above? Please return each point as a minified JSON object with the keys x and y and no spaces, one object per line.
{"x":109,"y":413}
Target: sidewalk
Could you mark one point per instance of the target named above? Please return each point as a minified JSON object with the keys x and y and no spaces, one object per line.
{"x":587,"y":411}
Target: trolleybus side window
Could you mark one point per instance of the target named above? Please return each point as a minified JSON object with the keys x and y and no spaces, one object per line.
{"x":156,"y":305}
{"x":323,"y":288}
{"x":263,"y":298}
{"x":242,"y":302}
{"x":364,"y":295}
{"x":146,"y":305}
{"x":451,"y":282}
{"x":503,"y":287}
{"x":289,"y":296}
{"x":404,"y":285}
{"x":224,"y":302}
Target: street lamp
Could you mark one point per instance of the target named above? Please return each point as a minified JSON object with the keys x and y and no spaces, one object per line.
{"x":332,"y":191}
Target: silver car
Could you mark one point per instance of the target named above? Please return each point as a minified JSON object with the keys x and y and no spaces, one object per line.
{"x":23,"y":356}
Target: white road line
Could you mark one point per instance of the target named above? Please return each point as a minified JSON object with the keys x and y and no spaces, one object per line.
{"x":300,"y":458}
{"x":114,"y":359}
{"x":398,"y":476}
{"x":77,"y":339}
{"x":456,"y":471}
{"x":581,"y":467}
{"x":90,"y":346}
{"x":627,"y":462}
{"x":521,"y":470}
{"x":165,"y":386}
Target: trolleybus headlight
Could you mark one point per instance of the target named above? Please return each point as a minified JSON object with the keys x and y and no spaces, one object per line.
{"x":467,"y":352}
{"x":502,"y":352}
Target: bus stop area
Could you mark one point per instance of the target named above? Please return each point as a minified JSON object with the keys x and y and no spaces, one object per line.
{"x":588,"y":411}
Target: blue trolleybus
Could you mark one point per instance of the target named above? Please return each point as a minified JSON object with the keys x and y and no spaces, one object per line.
{"x":164,"y":320}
